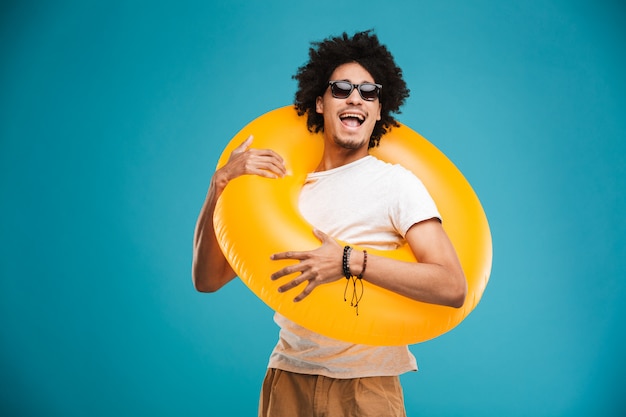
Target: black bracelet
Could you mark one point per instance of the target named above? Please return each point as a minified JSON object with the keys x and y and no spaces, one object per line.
{"x":346,"y":261}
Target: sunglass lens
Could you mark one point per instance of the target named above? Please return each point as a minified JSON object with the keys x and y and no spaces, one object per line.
{"x":368,"y":91}
{"x":341,"y":89}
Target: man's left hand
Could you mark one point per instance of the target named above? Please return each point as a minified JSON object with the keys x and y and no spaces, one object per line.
{"x":319,"y":266}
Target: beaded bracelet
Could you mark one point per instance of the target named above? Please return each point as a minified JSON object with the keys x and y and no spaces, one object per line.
{"x":354,"y":302}
{"x":360,"y":276}
{"x":346,"y":261}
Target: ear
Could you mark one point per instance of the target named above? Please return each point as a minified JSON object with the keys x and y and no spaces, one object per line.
{"x":319,"y":105}
{"x":380,"y":108}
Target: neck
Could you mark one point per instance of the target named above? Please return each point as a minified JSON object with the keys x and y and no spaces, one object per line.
{"x":339,"y":152}
{"x":332,"y":160}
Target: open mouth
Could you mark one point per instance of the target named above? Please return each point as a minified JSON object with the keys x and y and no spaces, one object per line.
{"x":352,"y":119}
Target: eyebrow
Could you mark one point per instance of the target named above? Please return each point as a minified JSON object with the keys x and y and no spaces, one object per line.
{"x":362,"y":82}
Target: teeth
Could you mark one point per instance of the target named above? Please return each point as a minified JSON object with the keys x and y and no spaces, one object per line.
{"x":355,"y":115}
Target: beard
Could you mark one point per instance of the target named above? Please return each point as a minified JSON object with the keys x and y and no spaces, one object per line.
{"x":350,"y":143}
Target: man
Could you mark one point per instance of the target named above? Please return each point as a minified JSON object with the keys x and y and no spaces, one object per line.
{"x":347,"y":90}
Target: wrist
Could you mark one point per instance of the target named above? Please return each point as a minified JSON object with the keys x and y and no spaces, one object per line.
{"x":358,"y":263}
{"x":350,"y":264}
{"x":220,"y":180}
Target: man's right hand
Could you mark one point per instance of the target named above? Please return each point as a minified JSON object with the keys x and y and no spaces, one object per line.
{"x":244,"y":160}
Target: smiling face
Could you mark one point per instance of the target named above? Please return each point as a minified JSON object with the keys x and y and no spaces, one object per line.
{"x":349,"y":122}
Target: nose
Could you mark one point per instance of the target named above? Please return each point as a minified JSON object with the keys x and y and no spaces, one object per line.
{"x":354,"y":97}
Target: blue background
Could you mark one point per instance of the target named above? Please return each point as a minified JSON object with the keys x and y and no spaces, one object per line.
{"x":113,"y":115}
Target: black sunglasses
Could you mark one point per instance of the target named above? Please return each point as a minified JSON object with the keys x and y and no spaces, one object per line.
{"x":343,"y":89}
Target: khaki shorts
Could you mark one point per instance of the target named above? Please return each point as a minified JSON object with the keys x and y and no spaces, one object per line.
{"x":287,"y":394}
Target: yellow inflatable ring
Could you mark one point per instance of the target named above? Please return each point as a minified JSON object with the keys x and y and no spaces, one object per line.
{"x":256,"y":217}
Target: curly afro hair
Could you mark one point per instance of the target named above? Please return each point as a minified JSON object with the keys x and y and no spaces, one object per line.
{"x":364,"y":49}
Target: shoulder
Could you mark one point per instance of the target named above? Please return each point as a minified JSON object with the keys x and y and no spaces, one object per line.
{"x":392,"y":172}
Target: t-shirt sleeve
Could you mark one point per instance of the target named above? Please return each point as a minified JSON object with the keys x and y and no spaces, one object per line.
{"x":413,"y":202}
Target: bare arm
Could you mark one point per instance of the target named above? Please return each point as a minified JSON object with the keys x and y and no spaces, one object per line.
{"x":210,"y":268}
{"x":437,"y":278}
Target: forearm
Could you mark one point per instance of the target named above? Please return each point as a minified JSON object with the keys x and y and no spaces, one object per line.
{"x":425,"y":282}
{"x":210,"y":269}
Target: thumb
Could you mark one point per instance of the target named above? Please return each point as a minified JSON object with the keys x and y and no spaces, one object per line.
{"x":320,"y":235}
{"x":244,"y":145}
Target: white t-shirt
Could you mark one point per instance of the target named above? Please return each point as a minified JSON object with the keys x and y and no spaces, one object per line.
{"x":368,"y":203}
